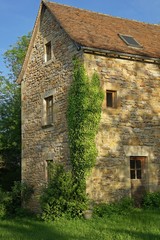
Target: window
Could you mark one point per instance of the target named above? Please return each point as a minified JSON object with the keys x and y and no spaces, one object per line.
{"x":49,"y":166}
{"x":135,"y":168}
{"x":111,"y":99}
{"x":48,"y":51}
{"x":49,"y":110}
{"x":130,"y":41}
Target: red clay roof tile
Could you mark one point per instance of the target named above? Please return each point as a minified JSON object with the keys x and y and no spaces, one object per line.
{"x":101,"y":31}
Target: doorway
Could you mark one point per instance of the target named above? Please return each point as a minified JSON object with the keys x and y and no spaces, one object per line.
{"x":138,"y":178}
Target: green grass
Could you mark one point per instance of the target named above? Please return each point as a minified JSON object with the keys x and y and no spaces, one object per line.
{"x":142,"y":225}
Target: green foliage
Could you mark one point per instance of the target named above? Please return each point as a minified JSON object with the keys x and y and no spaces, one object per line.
{"x":151,"y":200}
{"x":62,"y":196}
{"x":10,"y":115}
{"x":123,"y":207}
{"x":141,"y":225}
{"x":21,"y":193}
{"x":5,"y":201}
{"x":11,"y":203}
{"x":84,"y":112}
{"x":3,"y":211}
{"x":10,"y":133}
{"x":14,"y":57}
{"x":66,"y":192}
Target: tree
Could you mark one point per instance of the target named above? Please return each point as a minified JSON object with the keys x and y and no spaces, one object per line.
{"x":10,"y":114}
{"x":14,"y":57}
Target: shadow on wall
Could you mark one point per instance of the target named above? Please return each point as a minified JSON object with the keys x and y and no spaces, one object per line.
{"x":136,"y":122}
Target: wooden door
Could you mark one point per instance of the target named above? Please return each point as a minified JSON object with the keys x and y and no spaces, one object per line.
{"x":138,"y":178}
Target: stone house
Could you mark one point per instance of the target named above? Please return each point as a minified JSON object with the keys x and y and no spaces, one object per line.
{"x":126,"y":55}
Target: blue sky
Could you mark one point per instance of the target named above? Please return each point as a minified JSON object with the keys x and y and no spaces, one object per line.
{"x":17,"y":17}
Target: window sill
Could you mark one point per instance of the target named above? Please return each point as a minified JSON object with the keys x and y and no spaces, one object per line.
{"x":48,"y":125}
{"x":49,"y":62}
{"x":111,"y":111}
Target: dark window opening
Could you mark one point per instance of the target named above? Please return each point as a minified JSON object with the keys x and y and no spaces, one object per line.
{"x":48,"y":51}
{"x":130,"y":41}
{"x":111,"y":98}
{"x":49,"y":170}
{"x":49,"y":110}
{"x":135,"y":168}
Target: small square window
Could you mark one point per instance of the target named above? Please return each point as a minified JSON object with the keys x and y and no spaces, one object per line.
{"x":49,"y":110}
{"x":48,"y":51}
{"x":111,"y":99}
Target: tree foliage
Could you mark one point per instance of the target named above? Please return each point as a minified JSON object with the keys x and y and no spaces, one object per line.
{"x":14,"y":57}
{"x":10,"y":114}
{"x":10,"y":121}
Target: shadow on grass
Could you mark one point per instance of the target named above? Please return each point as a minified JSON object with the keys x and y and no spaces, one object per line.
{"x":29,"y":230}
{"x":135,"y":226}
{"x":25,"y":229}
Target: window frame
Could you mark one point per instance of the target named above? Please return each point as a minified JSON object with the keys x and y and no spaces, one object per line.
{"x":113,"y":98}
{"x":48,"y":94}
{"x":135,"y":45}
{"x":48,"y":174}
{"x":48,"y":45}
{"x":137,"y":169}
{"x":48,"y":51}
{"x":49,"y":109}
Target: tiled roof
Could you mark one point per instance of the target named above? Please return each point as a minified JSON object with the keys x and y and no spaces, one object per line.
{"x":101,"y":31}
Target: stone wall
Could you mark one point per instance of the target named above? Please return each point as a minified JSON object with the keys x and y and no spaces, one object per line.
{"x":41,"y":143}
{"x":131,"y":129}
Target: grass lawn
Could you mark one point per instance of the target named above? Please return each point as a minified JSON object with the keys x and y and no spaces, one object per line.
{"x":142,"y":225}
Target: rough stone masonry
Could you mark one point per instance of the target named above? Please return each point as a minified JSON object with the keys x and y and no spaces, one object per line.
{"x":130,"y":129}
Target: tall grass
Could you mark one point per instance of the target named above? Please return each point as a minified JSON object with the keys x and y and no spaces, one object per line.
{"x":139,"y":225}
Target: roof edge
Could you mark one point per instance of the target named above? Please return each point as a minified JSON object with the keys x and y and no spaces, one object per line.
{"x":120,"y":55}
{"x":109,"y":53}
{"x":103,"y":14}
{"x":34,"y":31}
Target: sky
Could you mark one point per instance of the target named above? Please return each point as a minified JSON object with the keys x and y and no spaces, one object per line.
{"x":17,"y":17}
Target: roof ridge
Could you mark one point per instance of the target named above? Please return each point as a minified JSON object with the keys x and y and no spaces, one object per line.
{"x":103,"y":14}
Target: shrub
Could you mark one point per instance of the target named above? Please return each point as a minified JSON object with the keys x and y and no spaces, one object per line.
{"x":151,"y":200}
{"x":123,"y":207}
{"x":5,"y":201}
{"x":66,"y":193}
{"x":3,"y":211}
{"x":62,"y":196}
{"x":21,"y":193}
{"x":11,"y":202}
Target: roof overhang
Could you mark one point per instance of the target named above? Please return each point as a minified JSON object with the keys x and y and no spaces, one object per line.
{"x":119,"y":55}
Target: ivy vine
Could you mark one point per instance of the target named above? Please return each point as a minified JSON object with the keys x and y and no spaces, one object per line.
{"x":66,"y":192}
{"x":84,"y":113}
